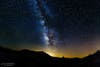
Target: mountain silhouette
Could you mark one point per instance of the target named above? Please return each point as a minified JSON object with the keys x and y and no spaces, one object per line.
{"x":92,"y":60}
{"x":27,"y":58}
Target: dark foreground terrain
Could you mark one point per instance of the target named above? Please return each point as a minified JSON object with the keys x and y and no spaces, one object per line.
{"x":26,"y":58}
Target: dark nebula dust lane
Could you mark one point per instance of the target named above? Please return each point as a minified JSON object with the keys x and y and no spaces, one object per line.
{"x":69,"y":28}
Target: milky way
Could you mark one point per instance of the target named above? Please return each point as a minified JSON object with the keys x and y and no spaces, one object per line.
{"x":41,"y":11}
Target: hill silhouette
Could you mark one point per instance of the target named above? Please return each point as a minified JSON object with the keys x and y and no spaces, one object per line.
{"x":27,"y":58}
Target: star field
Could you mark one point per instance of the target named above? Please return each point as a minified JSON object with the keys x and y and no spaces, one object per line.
{"x":72,"y":26}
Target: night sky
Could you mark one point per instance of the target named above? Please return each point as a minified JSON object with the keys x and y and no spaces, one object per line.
{"x":69,"y":28}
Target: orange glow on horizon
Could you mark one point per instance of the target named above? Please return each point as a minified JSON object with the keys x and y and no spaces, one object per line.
{"x":55,"y":52}
{"x":69,"y":51}
{"x":67,"y":55}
